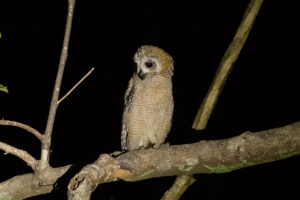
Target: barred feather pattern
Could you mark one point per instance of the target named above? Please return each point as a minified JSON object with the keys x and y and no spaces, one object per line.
{"x":148,"y":111}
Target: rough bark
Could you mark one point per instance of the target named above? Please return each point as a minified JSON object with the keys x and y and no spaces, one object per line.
{"x":29,"y":185}
{"x":219,"y":156}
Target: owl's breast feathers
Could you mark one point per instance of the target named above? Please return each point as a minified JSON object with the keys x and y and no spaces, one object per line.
{"x":148,"y":111}
{"x":151,"y":94}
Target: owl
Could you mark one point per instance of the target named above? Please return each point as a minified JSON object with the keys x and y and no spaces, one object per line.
{"x":148,"y":107}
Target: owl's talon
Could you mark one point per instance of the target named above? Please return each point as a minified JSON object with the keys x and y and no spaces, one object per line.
{"x":116,"y":154}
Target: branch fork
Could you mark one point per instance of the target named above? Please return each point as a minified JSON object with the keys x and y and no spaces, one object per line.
{"x":182,"y":160}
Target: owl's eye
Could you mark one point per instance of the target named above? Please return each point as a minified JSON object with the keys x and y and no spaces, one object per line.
{"x":149,"y":64}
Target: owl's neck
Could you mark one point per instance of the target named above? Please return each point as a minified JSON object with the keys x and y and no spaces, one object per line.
{"x":153,"y":81}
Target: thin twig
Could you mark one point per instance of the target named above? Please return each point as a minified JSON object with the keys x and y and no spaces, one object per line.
{"x":22,"y":126}
{"x":75,"y":86}
{"x":226,"y":65}
{"x":31,"y":161}
{"x":46,"y":142}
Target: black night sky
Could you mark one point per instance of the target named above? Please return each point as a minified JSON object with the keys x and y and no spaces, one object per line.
{"x":262,"y":91}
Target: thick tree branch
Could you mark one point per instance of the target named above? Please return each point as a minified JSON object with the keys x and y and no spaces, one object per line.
{"x":226,"y":65}
{"x":218,"y":156}
{"x":22,"y":126}
{"x":30,"y":161}
{"x":28,"y":185}
{"x":46,"y":142}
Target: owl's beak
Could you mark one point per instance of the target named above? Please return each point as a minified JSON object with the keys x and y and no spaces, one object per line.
{"x":141,"y":75}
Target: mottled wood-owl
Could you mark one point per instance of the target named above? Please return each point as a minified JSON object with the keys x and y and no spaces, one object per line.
{"x":149,"y":104}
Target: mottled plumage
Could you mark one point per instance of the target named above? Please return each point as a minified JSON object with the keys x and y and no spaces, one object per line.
{"x":148,"y":99}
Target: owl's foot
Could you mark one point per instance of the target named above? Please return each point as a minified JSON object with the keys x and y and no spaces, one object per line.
{"x":116,"y":153}
{"x":164,"y":145}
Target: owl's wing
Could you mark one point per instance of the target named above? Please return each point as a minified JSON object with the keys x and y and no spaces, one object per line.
{"x":124,"y":137}
{"x":127,"y":102}
{"x":128,"y":94}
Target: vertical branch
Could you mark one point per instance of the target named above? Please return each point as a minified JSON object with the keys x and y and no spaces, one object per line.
{"x":226,"y":65}
{"x":46,"y":141}
{"x":182,"y":182}
{"x":179,"y":186}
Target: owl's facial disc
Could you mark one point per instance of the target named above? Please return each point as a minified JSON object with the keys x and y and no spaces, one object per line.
{"x":148,"y":66}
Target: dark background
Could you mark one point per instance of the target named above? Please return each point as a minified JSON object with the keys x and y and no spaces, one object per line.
{"x":262,"y":91}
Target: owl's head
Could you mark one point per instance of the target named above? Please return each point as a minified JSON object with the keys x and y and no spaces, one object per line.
{"x":151,"y":61}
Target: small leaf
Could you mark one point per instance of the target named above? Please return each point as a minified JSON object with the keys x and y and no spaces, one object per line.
{"x":3,"y":88}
